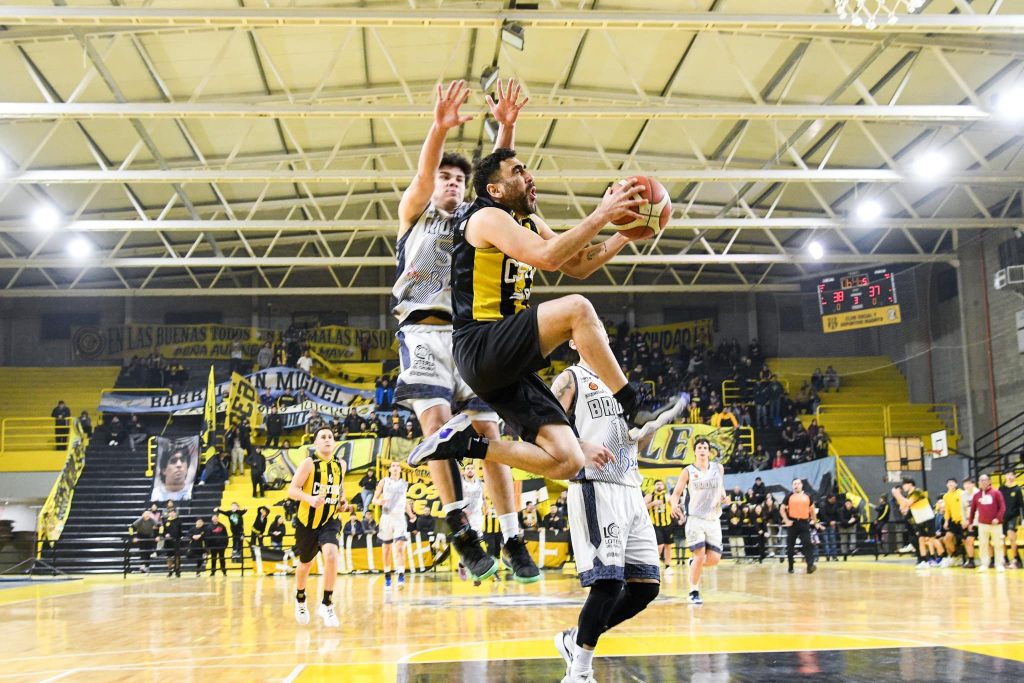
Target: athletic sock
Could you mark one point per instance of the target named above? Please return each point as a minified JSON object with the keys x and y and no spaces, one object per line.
{"x":328,"y":596}
{"x":582,"y":662}
{"x":509,"y":525}
{"x":300,"y":595}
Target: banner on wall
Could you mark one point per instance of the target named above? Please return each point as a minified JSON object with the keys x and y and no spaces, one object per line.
{"x":176,"y":463}
{"x":672,"y":337}
{"x":274,"y":380}
{"x":243,"y":402}
{"x":335,"y":343}
{"x":672,"y":446}
{"x":818,"y":476}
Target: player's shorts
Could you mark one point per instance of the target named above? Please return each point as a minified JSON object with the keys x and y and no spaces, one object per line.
{"x":393,"y":528}
{"x":704,"y":533}
{"x":957,"y":530}
{"x":429,"y":376}
{"x":925,"y":529}
{"x":308,"y":541}
{"x":663,"y":534}
{"x":500,"y":361}
{"x":612,"y":535}
{"x":1010,"y":524}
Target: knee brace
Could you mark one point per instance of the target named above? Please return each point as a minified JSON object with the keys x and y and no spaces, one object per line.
{"x":596,"y":610}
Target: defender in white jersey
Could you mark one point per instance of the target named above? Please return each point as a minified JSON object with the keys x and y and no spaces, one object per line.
{"x":704,"y":483}
{"x":429,"y":383}
{"x":473,"y":494}
{"x":613,"y":538}
{"x":390,"y":496}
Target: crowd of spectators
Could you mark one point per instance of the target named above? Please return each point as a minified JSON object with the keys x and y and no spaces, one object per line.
{"x":153,"y":372}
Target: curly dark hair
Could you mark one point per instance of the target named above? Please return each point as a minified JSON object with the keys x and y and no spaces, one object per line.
{"x":457,"y":161}
{"x":485,"y":169}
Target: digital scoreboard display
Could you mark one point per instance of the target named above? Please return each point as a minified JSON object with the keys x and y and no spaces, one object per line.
{"x":858,"y":300}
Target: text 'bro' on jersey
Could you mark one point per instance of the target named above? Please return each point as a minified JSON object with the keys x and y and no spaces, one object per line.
{"x":487,"y":284}
{"x":598,"y":419}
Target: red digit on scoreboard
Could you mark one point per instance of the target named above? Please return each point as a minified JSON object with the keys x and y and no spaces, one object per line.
{"x":837,"y":297}
{"x":874,"y":290}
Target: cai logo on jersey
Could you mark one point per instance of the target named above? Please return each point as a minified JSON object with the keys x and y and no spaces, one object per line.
{"x":332,"y":492}
{"x":521,"y":275}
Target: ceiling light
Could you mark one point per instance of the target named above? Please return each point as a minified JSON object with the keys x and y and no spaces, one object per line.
{"x":869,"y":210}
{"x":513,"y":33}
{"x":931,"y":164}
{"x":46,"y":217}
{"x":816,"y":251}
{"x":488,"y":77}
{"x":79,"y":248}
{"x":1010,"y":104}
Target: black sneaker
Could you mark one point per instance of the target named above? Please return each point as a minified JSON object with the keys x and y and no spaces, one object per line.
{"x":648,"y":420}
{"x":811,"y":569}
{"x":470,"y":546}
{"x":695,"y":598}
{"x":449,"y":442}
{"x":518,"y":560}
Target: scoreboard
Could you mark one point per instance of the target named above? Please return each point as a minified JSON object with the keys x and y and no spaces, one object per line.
{"x":858,"y":300}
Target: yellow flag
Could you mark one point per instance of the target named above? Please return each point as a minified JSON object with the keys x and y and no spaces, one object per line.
{"x":209,"y":414}
{"x":242,"y":402}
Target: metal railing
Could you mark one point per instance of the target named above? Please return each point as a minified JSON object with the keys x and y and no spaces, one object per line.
{"x":733,"y":394}
{"x":892,"y":419}
{"x":904,"y":419}
{"x":33,"y":434}
{"x":1000,"y":449}
{"x":865,"y":417}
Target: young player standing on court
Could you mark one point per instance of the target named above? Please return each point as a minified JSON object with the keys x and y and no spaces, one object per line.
{"x":501,"y":341}
{"x":704,"y":483}
{"x":612,"y":535}
{"x":661,"y":516}
{"x":317,"y":487}
{"x":394,"y":523}
{"x":429,"y":383}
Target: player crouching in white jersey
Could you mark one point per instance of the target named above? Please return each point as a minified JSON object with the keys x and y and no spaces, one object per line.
{"x":612,"y":535}
{"x":705,"y":484}
{"x":395,"y":509}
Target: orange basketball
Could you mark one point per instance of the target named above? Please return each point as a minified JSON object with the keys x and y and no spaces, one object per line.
{"x":654,"y":211}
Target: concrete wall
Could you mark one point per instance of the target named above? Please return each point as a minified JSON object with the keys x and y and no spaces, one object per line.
{"x":870,"y":472}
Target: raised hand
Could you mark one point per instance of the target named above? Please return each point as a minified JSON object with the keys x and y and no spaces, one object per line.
{"x":446,"y":109}
{"x":506,"y":110}
{"x":620,"y":199}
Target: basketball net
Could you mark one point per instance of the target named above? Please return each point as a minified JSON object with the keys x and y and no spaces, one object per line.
{"x":868,"y":13}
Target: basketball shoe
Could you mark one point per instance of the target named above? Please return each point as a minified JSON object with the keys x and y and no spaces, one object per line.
{"x":565,"y":643}
{"x":455,"y":439}
{"x":517,"y":558}
{"x":326,"y":613}
{"x":301,"y":613}
{"x":644,"y":420}
{"x":470,"y":546}
{"x":695,"y":598}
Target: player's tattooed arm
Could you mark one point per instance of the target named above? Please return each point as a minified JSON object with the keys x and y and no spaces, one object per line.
{"x":564,"y":389}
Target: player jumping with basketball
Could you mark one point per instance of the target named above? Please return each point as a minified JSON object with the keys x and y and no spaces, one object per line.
{"x":613,"y":537}
{"x":704,"y":483}
{"x":390,"y":495}
{"x":501,"y":341}
{"x":429,"y":383}
{"x":317,"y":485}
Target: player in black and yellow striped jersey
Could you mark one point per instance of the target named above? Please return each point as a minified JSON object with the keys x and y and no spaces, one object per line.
{"x":317,"y":485}
{"x":661,"y":516}
{"x":500,"y":341}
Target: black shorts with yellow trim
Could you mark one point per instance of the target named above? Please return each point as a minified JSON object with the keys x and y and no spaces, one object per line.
{"x":309,"y":541}
{"x":499,"y":361}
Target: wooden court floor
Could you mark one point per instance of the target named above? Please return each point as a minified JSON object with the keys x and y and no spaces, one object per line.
{"x":860,"y":620}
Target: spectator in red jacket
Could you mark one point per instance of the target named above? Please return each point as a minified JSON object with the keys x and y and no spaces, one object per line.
{"x":990,"y":508}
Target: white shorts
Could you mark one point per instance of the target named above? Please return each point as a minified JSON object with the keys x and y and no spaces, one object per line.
{"x":612,"y":534}
{"x":704,"y":533}
{"x":393,"y":528}
{"x":429,"y":377}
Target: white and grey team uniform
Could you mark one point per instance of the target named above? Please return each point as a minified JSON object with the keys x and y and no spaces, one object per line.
{"x":704,"y":518}
{"x":393,"y":522}
{"x":612,"y":534}
{"x":473,"y":494}
{"x":424,"y":289}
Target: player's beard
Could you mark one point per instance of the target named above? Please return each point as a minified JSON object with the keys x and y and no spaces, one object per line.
{"x":522,"y":203}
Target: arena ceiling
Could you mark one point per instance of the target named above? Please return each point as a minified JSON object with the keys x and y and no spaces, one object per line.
{"x":241,"y":148}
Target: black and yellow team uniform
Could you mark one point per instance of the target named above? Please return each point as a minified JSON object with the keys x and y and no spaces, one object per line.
{"x":315,"y":527}
{"x":661,"y":517}
{"x":496,"y":339}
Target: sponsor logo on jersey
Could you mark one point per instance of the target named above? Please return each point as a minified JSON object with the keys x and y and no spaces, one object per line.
{"x":593,"y":385}
{"x":611,"y":531}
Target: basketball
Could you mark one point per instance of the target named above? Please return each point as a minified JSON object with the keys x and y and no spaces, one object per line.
{"x":655,"y":210}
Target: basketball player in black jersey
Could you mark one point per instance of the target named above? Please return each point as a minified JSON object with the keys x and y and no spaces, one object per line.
{"x":501,"y":342}
{"x":317,"y":485}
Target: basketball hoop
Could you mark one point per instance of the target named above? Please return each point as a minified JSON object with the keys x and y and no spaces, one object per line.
{"x":867,"y":13}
